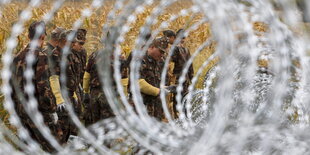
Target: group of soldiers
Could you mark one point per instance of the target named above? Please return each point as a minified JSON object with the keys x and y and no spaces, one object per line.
{"x":82,"y":86}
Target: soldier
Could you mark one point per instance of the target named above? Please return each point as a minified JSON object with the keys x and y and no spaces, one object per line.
{"x":51,"y":45}
{"x":81,"y":54}
{"x":128,"y":61}
{"x":149,"y":80}
{"x":180,"y":56}
{"x":98,"y":107}
{"x":54,"y":41}
{"x":73,"y":74}
{"x":43,"y":92}
{"x":169,"y":37}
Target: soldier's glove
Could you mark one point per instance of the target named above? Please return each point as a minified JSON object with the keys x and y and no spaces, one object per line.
{"x":171,"y":89}
{"x":166,"y":91}
{"x":55,"y":117}
{"x":61,"y":107}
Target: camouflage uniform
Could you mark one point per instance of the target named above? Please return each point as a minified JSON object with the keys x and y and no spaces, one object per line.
{"x":180,"y":57}
{"x":48,"y":50}
{"x":98,"y":107}
{"x":82,"y":55}
{"x":151,"y":71}
{"x":43,"y":94}
{"x":55,"y":35}
{"x":162,"y":62}
{"x":73,"y":74}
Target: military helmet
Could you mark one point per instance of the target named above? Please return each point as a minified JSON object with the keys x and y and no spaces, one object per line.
{"x":161,"y":43}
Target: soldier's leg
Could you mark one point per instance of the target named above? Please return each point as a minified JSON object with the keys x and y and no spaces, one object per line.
{"x":64,"y":124}
{"x":105,"y":109}
{"x":77,"y":109}
{"x":37,"y":136}
{"x":77,"y":105}
{"x":95,"y":105}
{"x":88,"y":114}
{"x":55,"y":129}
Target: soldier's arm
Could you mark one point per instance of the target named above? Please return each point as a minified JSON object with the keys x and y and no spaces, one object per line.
{"x":84,"y":59}
{"x":191,"y":72}
{"x":145,"y":87}
{"x":174,"y":56}
{"x":191,"y":68}
{"x":55,"y":82}
{"x":86,"y":77}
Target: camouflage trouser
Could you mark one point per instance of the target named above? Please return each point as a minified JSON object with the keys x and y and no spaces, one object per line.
{"x":36,"y":134}
{"x":77,"y":103}
{"x":183,"y":93}
{"x":98,"y":107}
{"x":67,"y":126}
{"x":154,"y":107}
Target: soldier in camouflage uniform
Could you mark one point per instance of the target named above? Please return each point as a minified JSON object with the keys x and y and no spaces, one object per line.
{"x":51,"y":45}
{"x":73,"y":73}
{"x":54,"y":41}
{"x":126,"y":66}
{"x":98,"y":106}
{"x":149,"y":80}
{"x":180,"y":56}
{"x":81,"y":54}
{"x":43,"y":92}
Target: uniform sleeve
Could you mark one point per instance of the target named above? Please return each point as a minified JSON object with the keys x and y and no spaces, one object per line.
{"x":191,"y":68}
{"x":46,"y":99}
{"x":145,"y":87}
{"x":174,"y":56}
{"x":42,"y":68}
{"x":56,"y":60}
{"x":86,"y":77}
{"x":84,"y":58}
{"x":191,"y":72}
{"x":143,"y":70}
{"x":54,"y":77}
{"x":90,"y":63}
